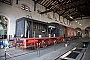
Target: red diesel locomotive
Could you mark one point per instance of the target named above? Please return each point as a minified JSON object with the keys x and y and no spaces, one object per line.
{"x":32,"y":33}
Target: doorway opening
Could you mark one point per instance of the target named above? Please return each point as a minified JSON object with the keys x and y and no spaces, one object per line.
{"x":3,"y":26}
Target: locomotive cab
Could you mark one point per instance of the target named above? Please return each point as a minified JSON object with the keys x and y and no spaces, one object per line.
{"x":55,"y":29}
{"x":51,"y":30}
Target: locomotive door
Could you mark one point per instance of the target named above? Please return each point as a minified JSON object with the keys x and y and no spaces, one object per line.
{"x":19,"y":28}
{"x":23,"y":27}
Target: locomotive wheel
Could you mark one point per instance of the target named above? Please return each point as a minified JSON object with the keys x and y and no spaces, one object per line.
{"x":55,"y":42}
{"x":37,"y":45}
{"x":45,"y":43}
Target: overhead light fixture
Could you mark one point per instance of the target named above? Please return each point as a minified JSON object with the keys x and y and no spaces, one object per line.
{"x":25,"y":7}
{"x":22,"y":6}
{"x":80,"y":24}
{"x":75,"y":21}
{"x":71,"y":17}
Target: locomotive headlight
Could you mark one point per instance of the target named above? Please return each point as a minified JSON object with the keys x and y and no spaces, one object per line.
{"x":51,"y":26}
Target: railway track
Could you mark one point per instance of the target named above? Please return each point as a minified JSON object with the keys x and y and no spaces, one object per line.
{"x":75,"y":53}
{"x":14,"y":53}
{"x":33,"y":53}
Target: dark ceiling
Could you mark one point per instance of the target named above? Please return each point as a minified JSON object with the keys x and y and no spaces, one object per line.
{"x":67,"y":8}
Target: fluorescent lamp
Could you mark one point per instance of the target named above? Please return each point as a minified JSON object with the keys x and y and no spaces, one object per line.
{"x":80,"y":24}
{"x":75,"y":21}
{"x":71,"y":17}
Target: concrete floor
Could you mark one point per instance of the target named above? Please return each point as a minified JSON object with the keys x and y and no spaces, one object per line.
{"x":49,"y":53}
{"x":87,"y":53}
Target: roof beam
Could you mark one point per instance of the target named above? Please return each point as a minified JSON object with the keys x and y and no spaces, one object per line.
{"x":64,"y":12}
{"x":67,"y":6}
